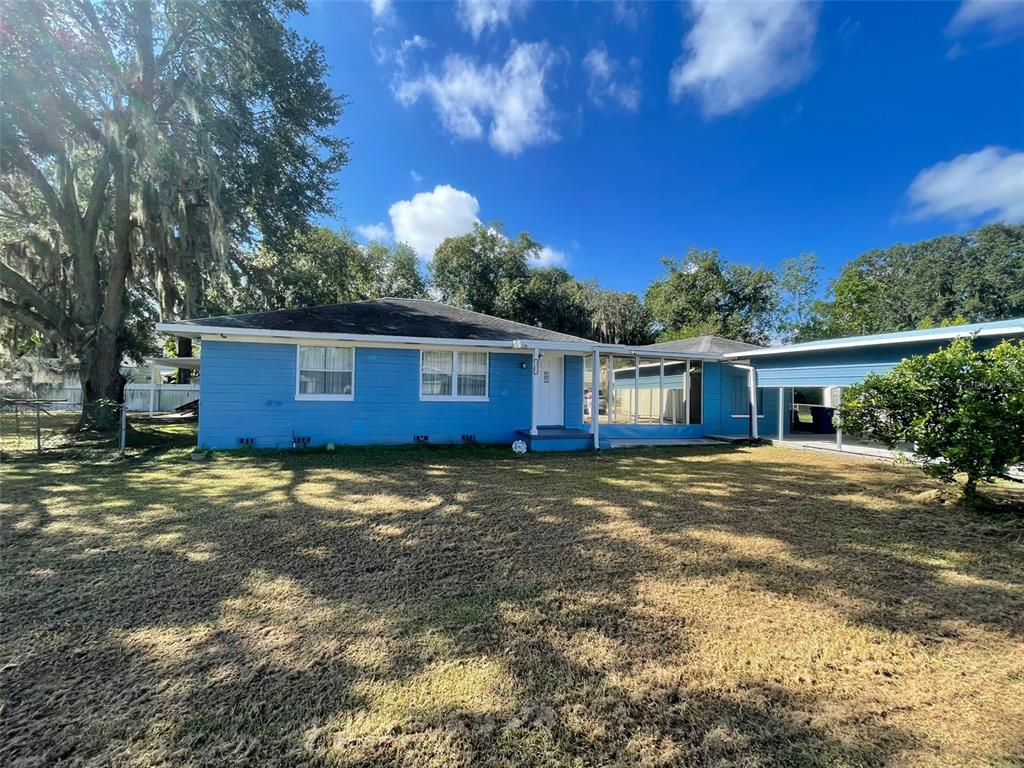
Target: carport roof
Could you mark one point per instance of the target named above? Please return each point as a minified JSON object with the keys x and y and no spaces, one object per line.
{"x":1012,"y":327}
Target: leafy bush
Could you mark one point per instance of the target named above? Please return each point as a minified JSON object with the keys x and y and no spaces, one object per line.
{"x":962,"y":408}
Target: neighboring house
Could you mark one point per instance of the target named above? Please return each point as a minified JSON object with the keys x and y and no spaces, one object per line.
{"x":392,"y":371}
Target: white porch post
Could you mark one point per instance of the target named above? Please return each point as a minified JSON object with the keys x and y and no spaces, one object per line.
{"x":535,"y":370}
{"x":686,"y":392}
{"x":661,"y":392}
{"x":782,"y":401}
{"x":839,"y":430}
{"x":152,"y":386}
{"x":636,"y":388}
{"x":595,"y":398}
{"x":753,"y":403}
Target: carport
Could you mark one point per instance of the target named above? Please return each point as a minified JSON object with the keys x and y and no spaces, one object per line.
{"x":833,"y":364}
{"x":156,"y":367}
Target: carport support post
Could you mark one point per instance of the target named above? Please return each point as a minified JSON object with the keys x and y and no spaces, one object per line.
{"x":595,"y":397}
{"x":782,"y":400}
{"x":152,"y":387}
{"x":839,"y":430}
{"x":535,"y":369}
{"x":753,"y":403}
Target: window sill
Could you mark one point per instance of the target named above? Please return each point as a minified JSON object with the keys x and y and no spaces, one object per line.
{"x":452,"y":399}
{"x":342,"y":398}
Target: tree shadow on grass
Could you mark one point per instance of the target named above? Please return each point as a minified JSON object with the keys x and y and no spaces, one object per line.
{"x":446,"y":606}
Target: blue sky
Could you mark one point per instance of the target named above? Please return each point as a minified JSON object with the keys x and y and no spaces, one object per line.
{"x":618,"y":133}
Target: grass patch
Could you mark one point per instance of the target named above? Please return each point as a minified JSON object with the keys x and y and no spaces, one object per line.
{"x":462,"y":606}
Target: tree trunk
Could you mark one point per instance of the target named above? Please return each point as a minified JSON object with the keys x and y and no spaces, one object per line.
{"x":971,"y":491}
{"x":102,"y":382}
{"x":184,"y":350}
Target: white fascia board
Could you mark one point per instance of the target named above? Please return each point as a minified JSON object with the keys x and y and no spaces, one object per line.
{"x":212,"y":333}
{"x":938,"y":335}
{"x":215,"y":333}
{"x":615,"y":349}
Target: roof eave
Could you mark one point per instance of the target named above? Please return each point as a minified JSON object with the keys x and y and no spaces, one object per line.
{"x":794,"y":349}
{"x":194,"y":331}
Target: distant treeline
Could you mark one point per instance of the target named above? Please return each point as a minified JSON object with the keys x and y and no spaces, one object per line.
{"x":969,"y":277}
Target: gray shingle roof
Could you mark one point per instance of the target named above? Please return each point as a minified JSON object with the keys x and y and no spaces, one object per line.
{"x":709,"y":344}
{"x":388,"y":317}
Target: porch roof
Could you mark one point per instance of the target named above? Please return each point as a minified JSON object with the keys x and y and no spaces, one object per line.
{"x":192,"y":363}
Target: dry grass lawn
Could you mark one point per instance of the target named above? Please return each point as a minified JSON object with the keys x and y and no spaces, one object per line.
{"x":458,"y":607}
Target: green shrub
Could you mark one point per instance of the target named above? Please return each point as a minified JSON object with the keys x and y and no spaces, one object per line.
{"x":962,"y":408}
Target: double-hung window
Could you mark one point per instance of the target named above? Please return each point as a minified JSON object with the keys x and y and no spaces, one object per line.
{"x":453,"y":375}
{"x":325,"y":373}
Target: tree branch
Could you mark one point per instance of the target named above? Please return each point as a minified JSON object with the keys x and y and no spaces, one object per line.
{"x":24,"y":163}
{"x":25,"y":316}
{"x":15,"y":282}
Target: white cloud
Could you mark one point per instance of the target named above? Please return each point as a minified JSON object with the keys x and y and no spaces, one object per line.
{"x":511,"y":100}
{"x":628,"y":13}
{"x":739,"y":53}
{"x":403,"y":54}
{"x":429,"y":217}
{"x":605,"y":83}
{"x":476,"y":16}
{"x":382,"y":10}
{"x":989,"y":182}
{"x":373,"y":232}
{"x":1000,"y":18}
{"x":409,"y":47}
{"x":549,"y":257}
{"x":415,"y":176}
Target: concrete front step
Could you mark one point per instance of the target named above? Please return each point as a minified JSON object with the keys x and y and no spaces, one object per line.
{"x":549,"y":439}
{"x":736,"y":439}
{"x":656,"y":441}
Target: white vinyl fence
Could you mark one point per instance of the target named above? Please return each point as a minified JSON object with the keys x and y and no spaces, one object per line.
{"x":167,"y":397}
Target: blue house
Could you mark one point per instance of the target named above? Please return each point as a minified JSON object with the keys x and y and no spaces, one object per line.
{"x":394,"y":371}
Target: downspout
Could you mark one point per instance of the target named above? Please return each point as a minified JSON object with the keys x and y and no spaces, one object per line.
{"x":752,"y":378}
{"x":534,"y":385}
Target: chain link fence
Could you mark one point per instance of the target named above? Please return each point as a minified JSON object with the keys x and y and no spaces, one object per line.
{"x":33,"y":425}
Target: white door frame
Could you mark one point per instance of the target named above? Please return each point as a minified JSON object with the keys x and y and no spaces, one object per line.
{"x":550,"y":394}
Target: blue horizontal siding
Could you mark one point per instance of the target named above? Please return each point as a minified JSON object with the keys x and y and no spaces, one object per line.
{"x":248,"y":390}
{"x":721,"y":383}
{"x":572,"y":415}
{"x":840,"y":367}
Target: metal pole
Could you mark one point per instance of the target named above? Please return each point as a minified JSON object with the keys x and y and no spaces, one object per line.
{"x":124,"y":423}
{"x":39,"y":436}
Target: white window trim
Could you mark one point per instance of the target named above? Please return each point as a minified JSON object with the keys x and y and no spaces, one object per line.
{"x":298,"y":362}
{"x":455,"y":397}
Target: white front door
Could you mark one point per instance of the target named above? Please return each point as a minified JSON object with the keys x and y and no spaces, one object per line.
{"x":550,"y":390}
